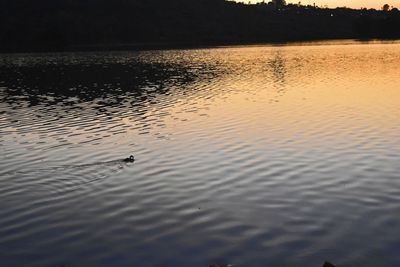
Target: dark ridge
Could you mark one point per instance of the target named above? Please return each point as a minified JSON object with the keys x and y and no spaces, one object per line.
{"x":55,"y":25}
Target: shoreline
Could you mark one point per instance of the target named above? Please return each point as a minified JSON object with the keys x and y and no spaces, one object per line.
{"x":153,"y":46}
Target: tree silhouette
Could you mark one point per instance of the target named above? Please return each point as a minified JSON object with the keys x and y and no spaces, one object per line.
{"x":279,"y":3}
{"x":27,"y":25}
{"x":385,"y":7}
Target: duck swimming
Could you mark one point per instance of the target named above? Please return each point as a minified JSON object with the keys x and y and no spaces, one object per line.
{"x":130,"y":159}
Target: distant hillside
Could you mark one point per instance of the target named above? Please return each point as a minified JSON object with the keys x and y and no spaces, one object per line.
{"x":27,"y":25}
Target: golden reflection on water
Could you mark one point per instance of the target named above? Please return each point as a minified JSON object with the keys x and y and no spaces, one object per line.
{"x":314,"y":90}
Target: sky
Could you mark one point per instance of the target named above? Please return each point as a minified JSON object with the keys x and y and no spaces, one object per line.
{"x":349,"y":3}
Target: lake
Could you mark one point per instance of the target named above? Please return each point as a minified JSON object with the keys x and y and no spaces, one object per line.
{"x":264,"y":155}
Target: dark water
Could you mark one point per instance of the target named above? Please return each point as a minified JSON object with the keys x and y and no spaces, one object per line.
{"x":250,"y":156}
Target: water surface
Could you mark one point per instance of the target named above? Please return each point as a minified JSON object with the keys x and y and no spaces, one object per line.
{"x":250,"y":156}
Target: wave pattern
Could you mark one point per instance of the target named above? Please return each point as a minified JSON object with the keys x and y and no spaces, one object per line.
{"x":250,"y":156}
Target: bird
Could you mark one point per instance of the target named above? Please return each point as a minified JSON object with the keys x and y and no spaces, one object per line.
{"x":130,"y":159}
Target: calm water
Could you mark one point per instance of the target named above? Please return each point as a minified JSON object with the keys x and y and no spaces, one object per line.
{"x":251,"y":156}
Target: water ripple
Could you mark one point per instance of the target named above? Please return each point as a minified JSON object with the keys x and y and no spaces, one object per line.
{"x":251,"y":156}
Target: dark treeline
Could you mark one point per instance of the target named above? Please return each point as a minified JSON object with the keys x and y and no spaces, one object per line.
{"x":27,"y":25}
